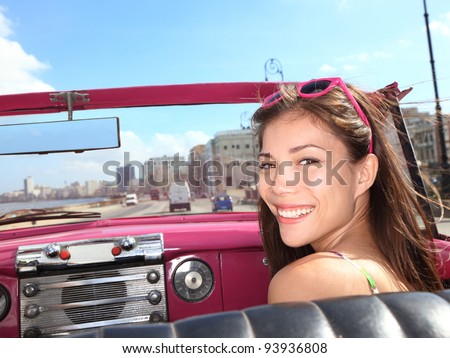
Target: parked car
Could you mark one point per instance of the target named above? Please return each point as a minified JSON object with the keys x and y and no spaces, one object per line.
{"x":84,"y":269}
{"x":131,"y":199}
{"x":222,"y":202}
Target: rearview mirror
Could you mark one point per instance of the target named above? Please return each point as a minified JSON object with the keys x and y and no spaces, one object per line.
{"x":60,"y":136}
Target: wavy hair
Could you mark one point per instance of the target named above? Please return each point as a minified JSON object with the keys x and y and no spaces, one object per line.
{"x":394,"y":206}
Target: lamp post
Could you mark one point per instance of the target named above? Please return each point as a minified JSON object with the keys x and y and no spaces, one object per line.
{"x":273,"y":67}
{"x":445,"y":176}
{"x":245,"y":120}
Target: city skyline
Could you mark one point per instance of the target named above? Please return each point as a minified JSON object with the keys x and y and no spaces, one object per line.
{"x":226,"y":146}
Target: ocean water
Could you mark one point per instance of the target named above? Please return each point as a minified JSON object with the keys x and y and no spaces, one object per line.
{"x":45,"y":204}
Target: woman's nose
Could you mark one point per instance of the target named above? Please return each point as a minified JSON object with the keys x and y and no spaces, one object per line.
{"x":287,"y":179}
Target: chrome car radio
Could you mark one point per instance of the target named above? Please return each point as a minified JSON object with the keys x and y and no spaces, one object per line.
{"x":67,"y":287}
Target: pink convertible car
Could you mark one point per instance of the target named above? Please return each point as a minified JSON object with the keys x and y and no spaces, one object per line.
{"x":76,"y":261}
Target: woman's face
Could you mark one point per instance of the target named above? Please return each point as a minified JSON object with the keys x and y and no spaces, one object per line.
{"x":307,"y":181}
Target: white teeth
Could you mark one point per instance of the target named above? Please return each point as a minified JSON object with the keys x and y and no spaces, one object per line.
{"x":295,"y":213}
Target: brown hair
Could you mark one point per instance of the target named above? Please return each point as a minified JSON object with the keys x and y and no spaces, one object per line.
{"x":393,"y":202}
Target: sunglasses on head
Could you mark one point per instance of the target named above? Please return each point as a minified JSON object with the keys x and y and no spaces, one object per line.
{"x":320,"y":87}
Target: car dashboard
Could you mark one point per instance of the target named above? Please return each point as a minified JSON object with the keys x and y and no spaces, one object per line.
{"x":66,"y":279}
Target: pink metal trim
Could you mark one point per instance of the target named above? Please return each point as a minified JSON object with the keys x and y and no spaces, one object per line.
{"x":141,"y":96}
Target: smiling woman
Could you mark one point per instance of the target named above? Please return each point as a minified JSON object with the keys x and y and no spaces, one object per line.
{"x":333,"y":199}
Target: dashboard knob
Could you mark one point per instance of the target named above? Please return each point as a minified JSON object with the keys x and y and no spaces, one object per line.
{"x":128,"y":243}
{"x":52,"y":250}
{"x":30,"y":289}
{"x":31,"y":311}
{"x":154,"y":297}
{"x":156,"y":317}
{"x":153,"y":276}
{"x":32,"y":332}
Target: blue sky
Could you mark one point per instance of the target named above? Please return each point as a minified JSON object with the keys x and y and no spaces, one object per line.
{"x":66,"y":45}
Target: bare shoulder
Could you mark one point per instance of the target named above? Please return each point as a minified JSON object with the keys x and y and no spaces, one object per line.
{"x":317,"y":276}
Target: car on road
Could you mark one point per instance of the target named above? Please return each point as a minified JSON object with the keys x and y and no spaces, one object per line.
{"x":179,"y":196}
{"x":154,"y":194}
{"x":131,"y":199}
{"x":222,"y":202}
{"x":74,"y":262}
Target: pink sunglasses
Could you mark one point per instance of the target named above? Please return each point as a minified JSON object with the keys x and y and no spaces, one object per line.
{"x":317,"y":88}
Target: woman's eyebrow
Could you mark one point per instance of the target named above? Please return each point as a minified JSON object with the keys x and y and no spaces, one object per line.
{"x":292,"y":150}
{"x":265,"y":155}
{"x":300,"y":147}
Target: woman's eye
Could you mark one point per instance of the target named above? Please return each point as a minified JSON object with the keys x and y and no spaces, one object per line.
{"x":266,"y":165}
{"x":308,"y":161}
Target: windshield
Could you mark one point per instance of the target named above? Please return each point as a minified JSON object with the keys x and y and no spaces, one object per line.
{"x":179,"y":159}
{"x":209,"y":147}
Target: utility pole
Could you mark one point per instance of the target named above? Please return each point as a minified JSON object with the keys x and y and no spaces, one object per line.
{"x":445,"y":174}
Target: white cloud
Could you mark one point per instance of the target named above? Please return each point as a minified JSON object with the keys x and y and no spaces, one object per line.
{"x":133,"y":148}
{"x":381,"y":54}
{"x":349,"y":68}
{"x":440,"y":27}
{"x":18,"y":68}
{"x":92,"y":161}
{"x":328,"y":69}
{"x":170,"y":144}
{"x":82,"y":165}
{"x":353,"y":61}
{"x":133,"y":144}
{"x":362,"y":57}
{"x":5,"y":24}
{"x":343,"y":4}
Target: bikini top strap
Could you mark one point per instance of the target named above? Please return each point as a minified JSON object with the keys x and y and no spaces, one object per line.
{"x":370,"y":280}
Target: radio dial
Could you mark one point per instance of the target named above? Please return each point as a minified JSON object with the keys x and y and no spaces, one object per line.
{"x":153,"y":276}
{"x":32,"y":332}
{"x":154,"y":297}
{"x":156,"y":317}
{"x":30,"y":290}
{"x":193,"y":280}
{"x":31,"y":311}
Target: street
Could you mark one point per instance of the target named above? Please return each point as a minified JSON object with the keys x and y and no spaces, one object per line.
{"x":161,"y":207}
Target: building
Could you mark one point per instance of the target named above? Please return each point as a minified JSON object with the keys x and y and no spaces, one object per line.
{"x":91,"y":187}
{"x":236,"y":144}
{"x":197,"y":160}
{"x":424,"y":135}
{"x":162,"y":171}
{"x":126,"y":178}
{"x":230,"y":158}
{"x":29,"y":188}
{"x":422,"y":131}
